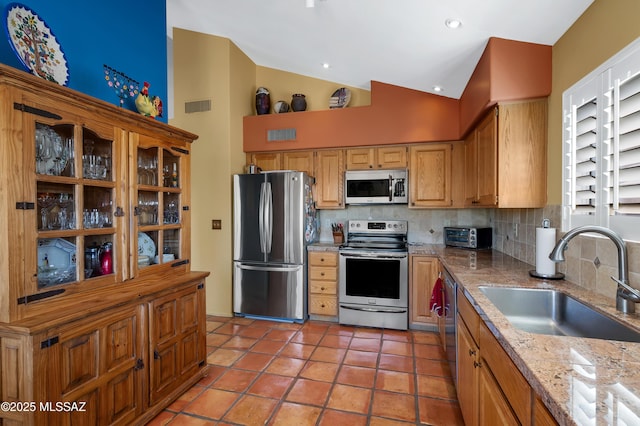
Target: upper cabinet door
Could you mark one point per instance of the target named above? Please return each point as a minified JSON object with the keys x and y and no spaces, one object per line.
{"x":430,"y":175}
{"x":329,"y":165}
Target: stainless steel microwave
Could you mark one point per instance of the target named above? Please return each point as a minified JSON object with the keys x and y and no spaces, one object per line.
{"x":468,"y":237}
{"x":376,"y":186}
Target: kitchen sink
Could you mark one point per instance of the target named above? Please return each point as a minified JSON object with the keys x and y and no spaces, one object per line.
{"x":556,"y":313}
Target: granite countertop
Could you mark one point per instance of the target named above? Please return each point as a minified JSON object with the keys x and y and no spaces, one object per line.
{"x":580,"y":380}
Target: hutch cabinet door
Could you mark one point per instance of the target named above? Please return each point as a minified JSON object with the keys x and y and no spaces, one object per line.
{"x":98,"y":365}
{"x":159,"y":171}
{"x":71,"y":205}
{"x":177,"y":339}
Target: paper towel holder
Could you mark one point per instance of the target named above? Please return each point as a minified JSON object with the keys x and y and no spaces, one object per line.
{"x":558,"y":275}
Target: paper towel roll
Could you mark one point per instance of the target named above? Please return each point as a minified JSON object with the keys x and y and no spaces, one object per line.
{"x":545,"y":241}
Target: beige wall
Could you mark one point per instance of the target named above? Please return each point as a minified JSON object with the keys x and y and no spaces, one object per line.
{"x":604,"y":29}
{"x":282,"y":85}
{"x":207,"y":67}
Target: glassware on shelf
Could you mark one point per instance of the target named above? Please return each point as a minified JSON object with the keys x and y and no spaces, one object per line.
{"x":171,"y":213}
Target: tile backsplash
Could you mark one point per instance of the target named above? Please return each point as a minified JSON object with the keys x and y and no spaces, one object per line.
{"x":590,"y":261}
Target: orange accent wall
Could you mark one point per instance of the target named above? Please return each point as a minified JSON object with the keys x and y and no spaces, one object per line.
{"x":508,"y":70}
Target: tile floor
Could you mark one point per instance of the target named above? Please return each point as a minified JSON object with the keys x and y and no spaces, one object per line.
{"x":317,"y":373}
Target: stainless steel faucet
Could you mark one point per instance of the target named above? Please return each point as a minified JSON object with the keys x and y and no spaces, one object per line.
{"x":626,"y":296}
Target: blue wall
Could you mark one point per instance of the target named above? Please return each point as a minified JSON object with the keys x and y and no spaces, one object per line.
{"x":129,"y":36}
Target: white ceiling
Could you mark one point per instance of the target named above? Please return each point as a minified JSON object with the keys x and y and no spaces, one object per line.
{"x":399,"y":42}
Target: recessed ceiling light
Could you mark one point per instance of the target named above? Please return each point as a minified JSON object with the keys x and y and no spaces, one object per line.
{"x":437,"y":88}
{"x":453,"y":23}
{"x":325,"y":65}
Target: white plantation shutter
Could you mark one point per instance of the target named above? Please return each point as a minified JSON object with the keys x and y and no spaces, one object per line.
{"x":601,"y":149}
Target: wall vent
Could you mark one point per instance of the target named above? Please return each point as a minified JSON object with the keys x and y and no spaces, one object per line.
{"x":197,"y":106}
{"x":281,"y":135}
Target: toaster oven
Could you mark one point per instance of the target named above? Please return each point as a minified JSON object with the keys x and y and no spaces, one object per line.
{"x":468,"y":237}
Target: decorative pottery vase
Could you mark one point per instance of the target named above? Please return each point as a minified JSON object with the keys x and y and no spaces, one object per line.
{"x":298,"y":102}
{"x":280,"y":107}
{"x":263,"y":101}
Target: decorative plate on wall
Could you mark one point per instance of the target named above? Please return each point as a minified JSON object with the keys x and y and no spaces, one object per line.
{"x":34,"y":44}
{"x":340,"y":98}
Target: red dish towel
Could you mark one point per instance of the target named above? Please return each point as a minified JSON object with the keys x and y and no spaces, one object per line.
{"x":437,"y":302}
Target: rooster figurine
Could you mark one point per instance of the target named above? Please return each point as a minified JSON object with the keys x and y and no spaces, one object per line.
{"x":146,"y":105}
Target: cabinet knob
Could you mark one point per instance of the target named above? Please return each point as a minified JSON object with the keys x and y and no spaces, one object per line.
{"x":322,"y":259}
{"x":322,"y":306}
{"x":322,"y":288}
{"x":322,"y":274}
{"x":472,"y":352}
{"x":371,"y":166}
{"x":476,"y":364}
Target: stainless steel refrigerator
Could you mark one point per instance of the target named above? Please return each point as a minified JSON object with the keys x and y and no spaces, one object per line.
{"x":274,"y":220}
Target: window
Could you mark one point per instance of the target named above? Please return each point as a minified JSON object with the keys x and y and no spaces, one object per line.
{"x":601,"y":148}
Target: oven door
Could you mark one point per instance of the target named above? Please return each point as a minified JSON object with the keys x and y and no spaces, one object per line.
{"x":374,"y":279}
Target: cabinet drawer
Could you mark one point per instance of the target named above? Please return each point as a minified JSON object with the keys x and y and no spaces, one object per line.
{"x":323,"y":305}
{"x":323,"y":273}
{"x":323,"y":258}
{"x":323,"y":287}
{"x":513,"y":384}
{"x":469,"y":315}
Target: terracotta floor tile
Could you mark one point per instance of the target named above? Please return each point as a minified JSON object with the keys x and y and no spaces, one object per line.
{"x":350,"y":398}
{"x":286,"y":366}
{"x":369,"y":333}
{"x":378,"y":421}
{"x":271,"y":386}
{"x":309,"y":392}
{"x":162,"y":419}
{"x":356,"y":376}
{"x":341,"y":330}
{"x":291,"y":414}
{"x":187,"y":420}
{"x":239,"y":342}
{"x":235,"y":380}
{"x":316,"y":326}
{"x":298,"y":350}
{"x":338,"y":418}
{"x":397,"y":348}
{"x":212,"y":403}
{"x":254,"y":331}
{"x":268,"y":346}
{"x":426,"y":338}
{"x":213,"y":372}
{"x":215,"y":339}
{"x":230,"y":328}
{"x":288,"y":326}
{"x":307,"y":337}
{"x":242,"y":320}
{"x":395,"y":381}
{"x":225,"y":357}
{"x":186,"y":398}
{"x":360,"y":358}
{"x":218,"y":318}
{"x":334,"y":355}
{"x":282,"y":335}
{"x":396,"y":363}
{"x":438,"y":412}
{"x":362,"y":344}
{"x":323,"y":371}
{"x":433,"y":367}
{"x":253,"y":361}
{"x":394,"y":405}
{"x":436,"y":387}
{"x":429,"y":351}
{"x":397,"y":335}
{"x":335,"y":341}
{"x":251,"y":410}
{"x":212,"y":325}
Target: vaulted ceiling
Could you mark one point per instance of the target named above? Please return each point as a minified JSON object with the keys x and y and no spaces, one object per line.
{"x":400,"y":42}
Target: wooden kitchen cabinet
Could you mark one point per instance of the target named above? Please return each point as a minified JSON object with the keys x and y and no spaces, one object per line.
{"x":506,"y":157}
{"x":329,"y":166}
{"x":424,"y":272}
{"x":323,"y":284}
{"x":96,"y":223}
{"x":391,"y":157}
{"x":266,"y":161}
{"x":491,"y":390}
{"x":430,"y":175}
{"x":301,"y":161}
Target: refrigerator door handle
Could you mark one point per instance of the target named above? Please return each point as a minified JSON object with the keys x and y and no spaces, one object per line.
{"x":261,"y":223}
{"x":270,"y":268}
{"x":268,"y":217}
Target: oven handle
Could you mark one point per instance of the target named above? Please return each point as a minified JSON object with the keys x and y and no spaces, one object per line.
{"x":375,"y":255}
{"x":385,"y":310}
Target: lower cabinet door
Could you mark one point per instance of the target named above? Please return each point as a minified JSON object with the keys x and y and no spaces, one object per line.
{"x":95,"y":370}
{"x":176,"y":335}
{"x":493,"y":408}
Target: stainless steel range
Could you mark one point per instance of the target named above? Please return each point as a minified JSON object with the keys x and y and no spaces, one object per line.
{"x":374,"y":274}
